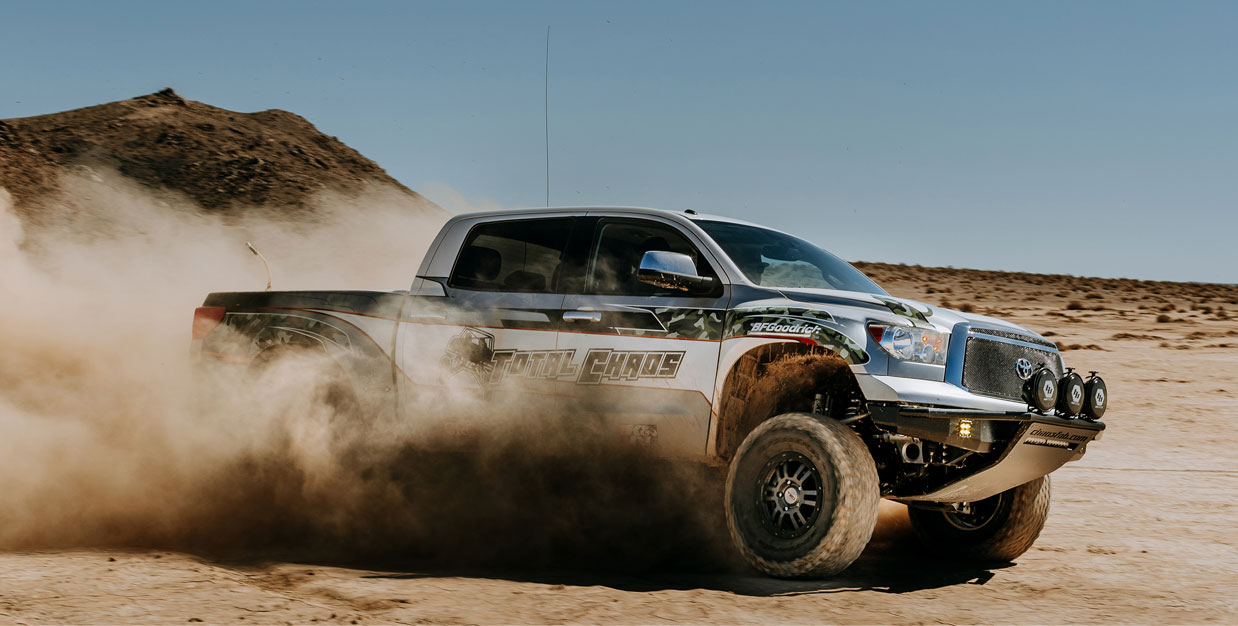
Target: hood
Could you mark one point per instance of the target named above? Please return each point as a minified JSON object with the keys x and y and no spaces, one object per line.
{"x":912,"y":311}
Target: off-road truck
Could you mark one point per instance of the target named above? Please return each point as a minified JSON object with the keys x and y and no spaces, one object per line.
{"x":715,"y":340}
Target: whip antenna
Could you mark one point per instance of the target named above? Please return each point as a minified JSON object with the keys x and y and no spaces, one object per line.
{"x":546,"y":108}
{"x":264,"y":262}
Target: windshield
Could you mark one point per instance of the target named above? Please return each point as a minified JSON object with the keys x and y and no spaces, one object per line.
{"x":773,"y":259}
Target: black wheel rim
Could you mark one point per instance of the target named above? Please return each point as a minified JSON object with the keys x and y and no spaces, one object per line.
{"x":975,"y":515}
{"x":790,"y":495}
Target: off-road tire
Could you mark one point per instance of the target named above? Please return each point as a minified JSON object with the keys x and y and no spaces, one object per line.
{"x":1016,"y":523}
{"x":849,"y":494}
{"x":324,"y":384}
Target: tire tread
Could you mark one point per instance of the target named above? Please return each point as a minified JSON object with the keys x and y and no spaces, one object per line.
{"x":1029,"y":508}
{"x":855,"y":512}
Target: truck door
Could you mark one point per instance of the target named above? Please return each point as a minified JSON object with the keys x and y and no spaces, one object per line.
{"x":648,"y":355}
{"x":493,"y":330}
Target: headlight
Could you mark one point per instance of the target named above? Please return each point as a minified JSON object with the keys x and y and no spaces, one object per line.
{"x":907,"y":343}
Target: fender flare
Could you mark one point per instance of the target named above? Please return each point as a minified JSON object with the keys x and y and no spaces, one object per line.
{"x":736,"y":412}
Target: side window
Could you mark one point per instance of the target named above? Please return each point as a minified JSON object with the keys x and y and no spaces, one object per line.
{"x":618,"y":251}
{"x":518,"y":255}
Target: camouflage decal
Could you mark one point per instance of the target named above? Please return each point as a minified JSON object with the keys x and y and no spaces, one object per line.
{"x":905,"y":310}
{"x":641,"y":434}
{"x":677,"y":323}
{"x":265,"y":330}
{"x":794,"y":323}
{"x":691,"y":323}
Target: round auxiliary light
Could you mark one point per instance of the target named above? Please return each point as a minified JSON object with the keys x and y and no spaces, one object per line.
{"x":1040,"y":390}
{"x":1095,"y":397}
{"x":1070,"y":394}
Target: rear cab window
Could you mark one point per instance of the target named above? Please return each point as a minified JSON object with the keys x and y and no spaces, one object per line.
{"x":513,"y":256}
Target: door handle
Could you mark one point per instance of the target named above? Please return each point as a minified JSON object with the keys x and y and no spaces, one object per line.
{"x":582,"y":316}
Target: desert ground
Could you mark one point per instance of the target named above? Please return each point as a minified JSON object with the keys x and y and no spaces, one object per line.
{"x":1142,"y":530}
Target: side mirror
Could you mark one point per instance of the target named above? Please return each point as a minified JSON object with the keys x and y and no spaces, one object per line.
{"x":670,"y":270}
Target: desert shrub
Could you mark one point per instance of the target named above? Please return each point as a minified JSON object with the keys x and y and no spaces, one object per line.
{"x":1074,"y":306}
{"x":1079,"y":346}
{"x":1119,"y":336}
{"x":967,"y":307}
{"x":1163,"y":319}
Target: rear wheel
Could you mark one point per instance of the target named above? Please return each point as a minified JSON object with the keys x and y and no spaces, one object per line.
{"x":996,"y":529}
{"x":301,"y":387}
{"x":801,"y":497}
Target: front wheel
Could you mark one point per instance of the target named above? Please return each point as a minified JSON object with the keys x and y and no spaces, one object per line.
{"x":801,"y":497}
{"x":996,"y":529}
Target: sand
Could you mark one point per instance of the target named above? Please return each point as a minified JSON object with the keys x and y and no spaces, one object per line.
{"x":1141,"y":530}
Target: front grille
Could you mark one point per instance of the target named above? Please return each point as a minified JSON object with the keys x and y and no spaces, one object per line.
{"x":989,"y":366}
{"x":1012,"y":335}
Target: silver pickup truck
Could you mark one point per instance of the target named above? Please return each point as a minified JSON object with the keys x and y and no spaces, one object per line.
{"x":719,"y":341}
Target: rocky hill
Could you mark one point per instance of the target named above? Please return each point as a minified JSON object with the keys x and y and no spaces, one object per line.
{"x":221,"y":159}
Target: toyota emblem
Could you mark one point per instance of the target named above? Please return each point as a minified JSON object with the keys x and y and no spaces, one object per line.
{"x":1023,"y":368}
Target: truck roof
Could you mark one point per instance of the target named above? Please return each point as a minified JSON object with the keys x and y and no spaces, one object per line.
{"x":685,"y":214}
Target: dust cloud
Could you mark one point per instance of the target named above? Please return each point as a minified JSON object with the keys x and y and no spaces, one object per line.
{"x":107,"y":438}
{"x":104,"y":438}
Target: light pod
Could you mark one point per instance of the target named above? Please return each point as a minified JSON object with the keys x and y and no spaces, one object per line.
{"x":1070,"y":394}
{"x":1096,"y":398}
{"x":1040,"y":390}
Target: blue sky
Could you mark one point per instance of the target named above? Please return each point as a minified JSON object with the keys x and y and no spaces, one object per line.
{"x":1091,"y":138}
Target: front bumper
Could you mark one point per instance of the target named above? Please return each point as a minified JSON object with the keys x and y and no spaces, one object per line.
{"x":1025,"y":445}
{"x":904,"y":390}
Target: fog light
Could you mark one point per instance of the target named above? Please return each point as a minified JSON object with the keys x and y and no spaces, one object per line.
{"x":1070,"y":394}
{"x":1040,"y":390}
{"x":1095,"y":397}
{"x":965,"y":428}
